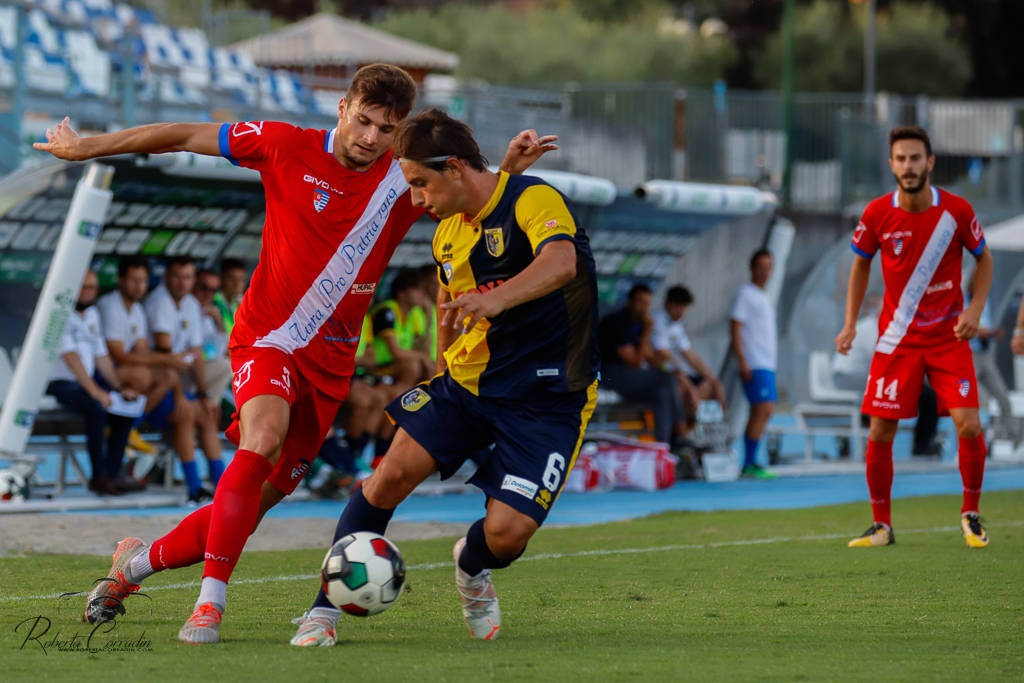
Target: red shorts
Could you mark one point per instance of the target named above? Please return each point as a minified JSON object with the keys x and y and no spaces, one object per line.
{"x":894,"y":384}
{"x":262,"y":371}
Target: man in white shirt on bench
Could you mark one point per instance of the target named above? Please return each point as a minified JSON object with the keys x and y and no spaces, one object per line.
{"x":174,"y":319}
{"x":80,"y":381}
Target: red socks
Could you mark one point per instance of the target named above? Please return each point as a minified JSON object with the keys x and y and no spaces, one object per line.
{"x":236,"y":506}
{"x":878,"y":459}
{"x":185,"y":544}
{"x":972,"y":470}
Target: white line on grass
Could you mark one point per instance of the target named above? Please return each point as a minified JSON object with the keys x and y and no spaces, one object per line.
{"x":551,"y":556}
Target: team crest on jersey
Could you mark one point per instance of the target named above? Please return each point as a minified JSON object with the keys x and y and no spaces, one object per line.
{"x":449,"y":271}
{"x":897,"y":245}
{"x":964,"y":387}
{"x":320,"y":199}
{"x":415,"y":399}
{"x":495,"y":241}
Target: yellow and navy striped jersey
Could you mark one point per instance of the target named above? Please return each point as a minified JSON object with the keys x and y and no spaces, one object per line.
{"x":548,"y":344}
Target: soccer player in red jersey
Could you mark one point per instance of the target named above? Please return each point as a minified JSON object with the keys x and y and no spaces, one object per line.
{"x":924,"y":329}
{"x":337,"y":207}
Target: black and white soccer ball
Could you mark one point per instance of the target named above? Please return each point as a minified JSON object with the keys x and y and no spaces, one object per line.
{"x":13,"y":487}
{"x":363,"y":574}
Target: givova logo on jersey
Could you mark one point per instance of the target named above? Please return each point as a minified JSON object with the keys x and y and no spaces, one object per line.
{"x":320,"y":199}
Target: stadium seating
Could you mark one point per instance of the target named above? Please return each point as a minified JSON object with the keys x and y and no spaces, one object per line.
{"x":76,"y":48}
{"x":90,"y":65}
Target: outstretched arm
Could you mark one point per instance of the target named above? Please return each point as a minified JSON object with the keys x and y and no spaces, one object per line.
{"x":525,"y":148}
{"x":64,"y":143}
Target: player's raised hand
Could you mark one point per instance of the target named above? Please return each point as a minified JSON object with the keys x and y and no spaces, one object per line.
{"x":524,"y":149}
{"x":967,"y":325}
{"x":469,"y":308}
{"x":62,"y":142}
{"x":844,"y":340}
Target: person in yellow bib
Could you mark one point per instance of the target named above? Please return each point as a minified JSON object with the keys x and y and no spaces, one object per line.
{"x":430,"y":284}
{"x":400,"y":335}
{"x":518,"y":358}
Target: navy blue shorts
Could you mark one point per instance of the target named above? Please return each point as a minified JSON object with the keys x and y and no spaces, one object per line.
{"x":761,"y":387}
{"x":533,"y":441}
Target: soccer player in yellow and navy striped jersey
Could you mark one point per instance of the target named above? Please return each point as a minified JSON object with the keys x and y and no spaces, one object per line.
{"x":517,"y":354}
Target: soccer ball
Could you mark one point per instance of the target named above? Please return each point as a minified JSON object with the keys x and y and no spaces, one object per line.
{"x":363,"y":574}
{"x":13,"y":487}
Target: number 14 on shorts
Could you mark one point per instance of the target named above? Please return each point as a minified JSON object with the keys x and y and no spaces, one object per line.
{"x":883,"y":390}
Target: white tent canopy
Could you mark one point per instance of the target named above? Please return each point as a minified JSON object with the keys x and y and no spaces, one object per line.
{"x":1007,"y":235}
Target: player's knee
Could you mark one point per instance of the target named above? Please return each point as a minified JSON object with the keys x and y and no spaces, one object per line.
{"x":969,"y":428}
{"x":264,"y":438}
{"x":394,"y":475}
{"x":138,"y":377}
{"x":883,"y":431}
{"x":508,"y":540}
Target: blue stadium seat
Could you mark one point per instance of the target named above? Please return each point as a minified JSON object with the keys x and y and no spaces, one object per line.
{"x":45,"y":72}
{"x":235,"y":72}
{"x":99,"y":9}
{"x":326,"y":101}
{"x":8,"y":29}
{"x":195,"y":50}
{"x":280,"y":91}
{"x":42,"y":33}
{"x":90,"y":65}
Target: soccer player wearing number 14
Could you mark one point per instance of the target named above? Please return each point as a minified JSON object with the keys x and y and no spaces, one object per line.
{"x":921,"y":232}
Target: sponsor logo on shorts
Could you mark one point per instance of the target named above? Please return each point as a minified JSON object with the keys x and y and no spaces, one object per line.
{"x":543,"y":499}
{"x":415,"y":399}
{"x":300,"y":469}
{"x":286,"y":380}
{"x":547,"y":372}
{"x":964,"y":387}
{"x":887,"y":405}
{"x":243,"y":375}
{"x":524,"y":487}
{"x":553,"y":223}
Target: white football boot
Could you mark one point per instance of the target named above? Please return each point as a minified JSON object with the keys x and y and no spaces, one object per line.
{"x":479,"y":601}
{"x":317,"y":628}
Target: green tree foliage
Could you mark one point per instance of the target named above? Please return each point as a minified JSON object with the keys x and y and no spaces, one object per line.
{"x":916,"y":51}
{"x":554,"y":42}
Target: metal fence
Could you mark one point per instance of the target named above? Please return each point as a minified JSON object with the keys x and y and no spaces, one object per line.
{"x":838,"y":151}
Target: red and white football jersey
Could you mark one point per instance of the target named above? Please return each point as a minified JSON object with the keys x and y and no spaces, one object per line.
{"x":921,"y":262}
{"x":328,"y":236}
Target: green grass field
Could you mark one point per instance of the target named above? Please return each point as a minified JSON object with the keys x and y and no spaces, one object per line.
{"x":770,"y":595}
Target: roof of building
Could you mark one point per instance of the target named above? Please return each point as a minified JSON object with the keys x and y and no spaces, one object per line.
{"x":329,"y":39}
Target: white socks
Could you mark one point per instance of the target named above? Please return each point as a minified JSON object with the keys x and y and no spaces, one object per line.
{"x":326,"y":612}
{"x":215,"y":591}
{"x":139,"y":568}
